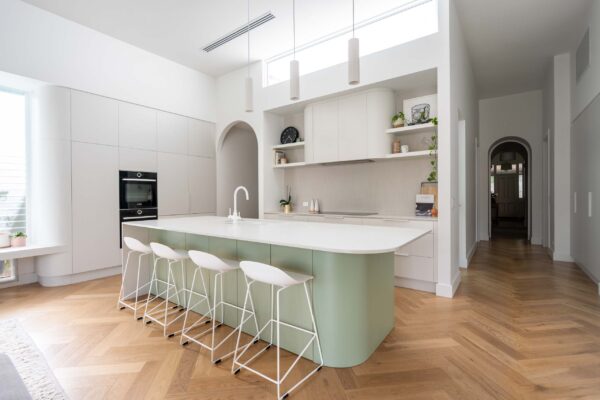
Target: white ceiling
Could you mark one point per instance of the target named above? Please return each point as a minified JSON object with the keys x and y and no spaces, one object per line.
{"x":178,"y":29}
{"x":511,"y":42}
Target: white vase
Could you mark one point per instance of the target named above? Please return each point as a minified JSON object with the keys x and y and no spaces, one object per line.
{"x":4,"y":240}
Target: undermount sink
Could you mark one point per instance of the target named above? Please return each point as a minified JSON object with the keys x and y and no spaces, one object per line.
{"x":245,"y":222}
{"x":358,"y":214}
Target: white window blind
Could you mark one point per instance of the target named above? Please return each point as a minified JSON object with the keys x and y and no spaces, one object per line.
{"x":13,"y":162}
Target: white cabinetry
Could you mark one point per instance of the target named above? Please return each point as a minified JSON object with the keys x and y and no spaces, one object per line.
{"x":173,"y":192}
{"x":94,"y":119}
{"x":172,"y":132}
{"x":349,"y":128}
{"x":137,"y":160}
{"x":95,"y":197}
{"x":352,"y":137}
{"x":137,"y":127}
{"x":202,"y":185}
{"x":201,"y":138}
{"x":325,"y":132}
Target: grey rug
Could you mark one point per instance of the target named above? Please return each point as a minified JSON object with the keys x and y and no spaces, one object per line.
{"x":29,"y":363}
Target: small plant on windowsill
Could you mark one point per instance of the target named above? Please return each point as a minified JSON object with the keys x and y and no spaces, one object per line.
{"x":19,"y":239}
{"x":286,"y":203}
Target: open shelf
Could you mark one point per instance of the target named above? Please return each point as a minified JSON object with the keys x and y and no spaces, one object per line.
{"x":411,"y":154}
{"x":288,"y":146}
{"x":411,"y":129}
{"x":290,"y":165}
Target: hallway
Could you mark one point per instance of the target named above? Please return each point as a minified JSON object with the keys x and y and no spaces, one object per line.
{"x":520,"y":327}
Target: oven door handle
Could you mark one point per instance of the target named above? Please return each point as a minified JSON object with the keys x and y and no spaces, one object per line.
{"x":140,"y":217}
{"x":138,"y":180}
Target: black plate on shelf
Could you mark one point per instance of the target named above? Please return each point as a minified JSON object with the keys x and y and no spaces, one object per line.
{"x":289,"y":135}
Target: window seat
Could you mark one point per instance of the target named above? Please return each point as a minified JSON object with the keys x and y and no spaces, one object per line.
{"x":32,"y":250}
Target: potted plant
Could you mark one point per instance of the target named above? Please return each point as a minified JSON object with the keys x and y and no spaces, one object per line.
{"x":430,"y":186}
{"x":19,"y":239}
{"x":398,"y":120}
{"x":286,"y":204}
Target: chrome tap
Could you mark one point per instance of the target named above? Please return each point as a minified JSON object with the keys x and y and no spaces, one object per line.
{"x":236,"y":216}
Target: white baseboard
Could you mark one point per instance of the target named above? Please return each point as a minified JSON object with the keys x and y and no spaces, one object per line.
{"x":24,"y":279}
{"x":415,"y":284}
{"x":561,"y":257}
{"x":77,"y":278}
{"x":445,"y":290}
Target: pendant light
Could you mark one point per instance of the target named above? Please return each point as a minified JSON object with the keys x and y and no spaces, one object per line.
{"x":249,"y":84}
{"x":353,"y":56}
{"x":294,"y":65}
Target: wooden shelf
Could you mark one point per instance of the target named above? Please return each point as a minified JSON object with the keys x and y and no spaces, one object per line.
{"x":411,"y":129}
{"x":411,"y":154}
{"x":290,"y":165}
{"x":288,"y":146}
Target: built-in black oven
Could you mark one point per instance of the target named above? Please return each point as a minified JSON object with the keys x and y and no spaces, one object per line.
{"x":137,"y":197}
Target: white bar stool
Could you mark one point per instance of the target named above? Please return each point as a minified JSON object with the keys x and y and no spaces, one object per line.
{"x":139,"y":248}
{"x":259,"y":272}
{"x":172,"y":257}
{"x":221,"y":267}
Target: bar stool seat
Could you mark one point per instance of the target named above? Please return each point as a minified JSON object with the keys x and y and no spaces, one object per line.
{"x":276,"y":277}
{"x":134,"y":246}
{"x":212,"y":263}
{"x":172,"y":256}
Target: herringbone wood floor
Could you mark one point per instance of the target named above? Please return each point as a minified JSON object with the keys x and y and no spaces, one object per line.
{"x":520,"y":327}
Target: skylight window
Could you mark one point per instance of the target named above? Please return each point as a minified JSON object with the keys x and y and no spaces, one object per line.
{"x":411,"y":21}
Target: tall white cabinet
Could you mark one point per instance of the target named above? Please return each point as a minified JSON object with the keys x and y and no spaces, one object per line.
{"x":108,"y":135}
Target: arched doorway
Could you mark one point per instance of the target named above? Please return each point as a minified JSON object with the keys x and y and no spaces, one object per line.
{"x":509,"y":189}
{"x":237,"y":165}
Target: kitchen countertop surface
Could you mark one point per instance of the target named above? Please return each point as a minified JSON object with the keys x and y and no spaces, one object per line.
{"x":335,"y":238}
{"x":341,"y":214}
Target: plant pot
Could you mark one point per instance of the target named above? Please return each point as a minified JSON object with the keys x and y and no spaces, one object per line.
{"x":4,"y":240}
{"x":399,"y":123}
{"x":18,"y":241}
{"x":287,"y":208}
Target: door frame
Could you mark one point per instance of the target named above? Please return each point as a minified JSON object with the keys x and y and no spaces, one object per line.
{"x":527,"y":147}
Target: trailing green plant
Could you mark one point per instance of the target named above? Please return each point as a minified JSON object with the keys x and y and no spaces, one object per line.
{"x":399,"y":116}
{"x":433,"y":146}
{"x":288,"y":201}
{"x":20,"y":234}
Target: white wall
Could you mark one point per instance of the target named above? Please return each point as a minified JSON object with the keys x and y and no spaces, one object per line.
{"x":237,"y":165}
{"x":40,"y":45}
{"x":585,"y":163}
{"x":519,"y":115}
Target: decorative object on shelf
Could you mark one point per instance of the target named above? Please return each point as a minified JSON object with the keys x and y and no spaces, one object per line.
{"x":425,"y":203}
{"x":432,"y":189}
{"x":404,"y":148}
{"x":278,"y":156}
{"x":433,"y":146}
{"x":311,"y":208}
{"x":19,"y":239}
{"x":283,"y":160}
{"x":4,"y":240}
{"x":398,"y":120}
{"x":286,"y":203}
{"x":317,"y":210}
{"x":289,"y":135}
{"x":420,"y":114}
{"x":249,"y":103}
{"x":434,"y":212}
{"x":396,"y":146}
{"x":353,"y":56}
{"x":294,"y":65}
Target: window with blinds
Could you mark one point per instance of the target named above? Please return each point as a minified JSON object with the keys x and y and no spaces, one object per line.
{"x":13,"y":163}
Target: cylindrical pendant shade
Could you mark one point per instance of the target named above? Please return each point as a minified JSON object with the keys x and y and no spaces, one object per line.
{"x":353,"y":62}
{"x":249,"y":96}
{"x":294,"y":80}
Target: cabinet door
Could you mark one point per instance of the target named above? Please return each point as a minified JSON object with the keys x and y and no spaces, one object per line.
{"x":202,"y":183}
{"x":137,"y":127}
{"x":95,"y":194}
{"x":325,"y":131}
{"x":137,"y":160}
{"x":412,"y":267}
{"x":308,"y":134}
{"x":94,"y":119}
{"x":353,"y":130}
{"x":172,"y":132}
{"x":201,"y":138}
{"x":173,"y":192}
{"x":380,"y":108}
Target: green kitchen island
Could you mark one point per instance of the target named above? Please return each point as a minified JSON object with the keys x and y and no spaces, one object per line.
{"x":352,"y":265}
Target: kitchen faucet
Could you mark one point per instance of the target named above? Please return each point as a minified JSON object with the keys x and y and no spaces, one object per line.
{"x":236,"y":214}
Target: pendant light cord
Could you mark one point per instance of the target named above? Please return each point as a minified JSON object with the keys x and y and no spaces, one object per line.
{"x":352,"y":18}
{"x":248,"y":29}
{"x":294,"y":24}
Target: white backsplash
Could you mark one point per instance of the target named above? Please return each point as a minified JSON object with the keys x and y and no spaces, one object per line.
{"x":385,"y":187}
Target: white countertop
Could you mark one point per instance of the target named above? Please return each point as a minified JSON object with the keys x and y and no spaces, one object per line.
{"x":334,"y":238}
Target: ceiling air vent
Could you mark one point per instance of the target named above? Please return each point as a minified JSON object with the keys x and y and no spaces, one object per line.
{"x":253,"y":24}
